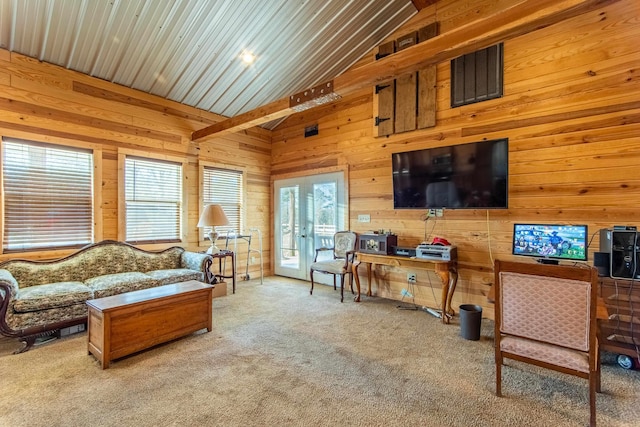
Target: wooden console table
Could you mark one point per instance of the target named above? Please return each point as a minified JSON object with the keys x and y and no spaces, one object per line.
{"x":446,"y":270}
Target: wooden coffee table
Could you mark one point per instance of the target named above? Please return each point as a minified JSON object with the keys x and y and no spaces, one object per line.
{"x":124,"y":324}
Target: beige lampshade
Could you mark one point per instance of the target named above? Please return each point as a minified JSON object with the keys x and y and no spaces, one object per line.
{"x":211,"y":216}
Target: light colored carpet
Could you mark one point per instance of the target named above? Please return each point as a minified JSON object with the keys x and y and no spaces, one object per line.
{"x":280,"y":357}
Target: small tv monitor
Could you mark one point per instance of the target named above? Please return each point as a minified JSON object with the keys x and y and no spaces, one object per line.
{"x":551,"y":242}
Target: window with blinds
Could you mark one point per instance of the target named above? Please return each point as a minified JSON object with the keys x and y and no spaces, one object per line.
{"x":224,"y":187}
{"x":48,"y":196}
{"x":153,"y":197}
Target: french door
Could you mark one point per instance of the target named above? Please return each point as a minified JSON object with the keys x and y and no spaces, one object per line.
{"x":308,"y":211}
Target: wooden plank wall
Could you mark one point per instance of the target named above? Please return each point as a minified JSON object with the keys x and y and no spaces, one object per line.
{"x":43,"y":102}
{"x":572,"y":115}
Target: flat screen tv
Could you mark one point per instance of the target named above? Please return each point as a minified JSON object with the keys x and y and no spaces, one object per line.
{"x":551,"y":242}
{"x":465,"y":176}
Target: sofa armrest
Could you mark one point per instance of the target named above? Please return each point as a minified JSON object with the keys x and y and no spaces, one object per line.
{"x":8,"y":291}
{"x":196,"y":261}
{"x":8,"y":284}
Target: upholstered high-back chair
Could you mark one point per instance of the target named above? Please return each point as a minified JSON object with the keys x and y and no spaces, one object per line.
{"x":546,"y":315}
{"x":341,"y":262}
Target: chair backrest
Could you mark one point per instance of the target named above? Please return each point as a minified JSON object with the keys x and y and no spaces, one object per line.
{"x":344,"y":241}
{"x":548,"y":303}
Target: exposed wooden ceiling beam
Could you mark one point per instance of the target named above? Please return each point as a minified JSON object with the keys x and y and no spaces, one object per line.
{"x":520,"y":18}
{"x":421,"y":4}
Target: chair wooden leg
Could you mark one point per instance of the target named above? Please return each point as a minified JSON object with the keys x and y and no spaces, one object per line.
{"x":597,"y":374}
{"x":593,"y":385}
{"x":351,"y":283}
{"x":311,"y":274}
{"x":498,"y":376}
{"x":341,"y":287}
{"x":334,"y":282}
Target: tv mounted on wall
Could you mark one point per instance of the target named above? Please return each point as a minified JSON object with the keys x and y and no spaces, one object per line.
{"x":551,"y":242}
{"x":465,"y":176}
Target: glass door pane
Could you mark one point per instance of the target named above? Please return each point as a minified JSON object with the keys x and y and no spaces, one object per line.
{"x":325,"y":215}
{"x":289,"y":255}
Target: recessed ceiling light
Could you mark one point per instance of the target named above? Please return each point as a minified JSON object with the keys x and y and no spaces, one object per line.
{"x":247,"y":57}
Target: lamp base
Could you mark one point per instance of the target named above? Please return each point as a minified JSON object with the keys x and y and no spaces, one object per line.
{"x":213,"y":249}
{"x":213,"y":236}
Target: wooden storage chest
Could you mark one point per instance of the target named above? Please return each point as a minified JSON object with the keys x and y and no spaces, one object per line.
{"x":124,"y":324}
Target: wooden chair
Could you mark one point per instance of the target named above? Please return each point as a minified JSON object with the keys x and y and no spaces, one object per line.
{"x":546,"y":315}
{"x":344,"y":249}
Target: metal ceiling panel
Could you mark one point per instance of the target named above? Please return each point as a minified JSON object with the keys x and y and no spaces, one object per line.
{"x":189,"y":50}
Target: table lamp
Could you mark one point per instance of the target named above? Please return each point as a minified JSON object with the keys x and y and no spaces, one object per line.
{"x":211,"y":216}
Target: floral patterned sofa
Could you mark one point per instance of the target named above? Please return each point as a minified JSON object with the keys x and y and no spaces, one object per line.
{"x":37,"y":298}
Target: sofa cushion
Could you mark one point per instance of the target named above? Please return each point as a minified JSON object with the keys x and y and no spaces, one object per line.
{"x":52,"y":295}
{"x":554,"y":354}
{"x":41,"y":318}
{"x":175,"y":275}
{"x":113,"y":284}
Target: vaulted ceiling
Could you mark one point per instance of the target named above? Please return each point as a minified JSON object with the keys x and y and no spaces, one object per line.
{"x":190,"y":51}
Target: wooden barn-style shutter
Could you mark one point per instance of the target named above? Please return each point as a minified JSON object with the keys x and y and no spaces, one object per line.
{"x":406,"y":90}
{"x":409,"y":102}
{"x":427,"y":83}
{"x":386,"y":95}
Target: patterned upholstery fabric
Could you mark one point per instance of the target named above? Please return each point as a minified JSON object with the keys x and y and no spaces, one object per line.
{"x":31,"y":319}
{"x":561,"y":302}
{"x":166,"y":277}
{"x":344,"y":241}
{"x":6,"y":277}
{"x":100,"y":260}
{"x":52,"y":295}
{"x":559,"y":356}
{"x":113,"y":284}
{"x":165,"y":260}
{"x":193,"y":260}
{"x":334,"y":267}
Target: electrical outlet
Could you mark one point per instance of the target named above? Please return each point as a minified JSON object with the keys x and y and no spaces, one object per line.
{"x":364,"y":218}
{"x":439,"y":212}
{"x":431,"y":213}
{"x":412,"y":278}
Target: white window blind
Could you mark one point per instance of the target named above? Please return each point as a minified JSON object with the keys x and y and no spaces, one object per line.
{"x":153,"y":194}
{"x":48,"y":195}
{"x":224,"y":187}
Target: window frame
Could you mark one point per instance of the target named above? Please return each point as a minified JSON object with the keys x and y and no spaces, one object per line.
{"x":97,"y":212}
{"x":202,"y":165}
{"x":122,"y":201}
